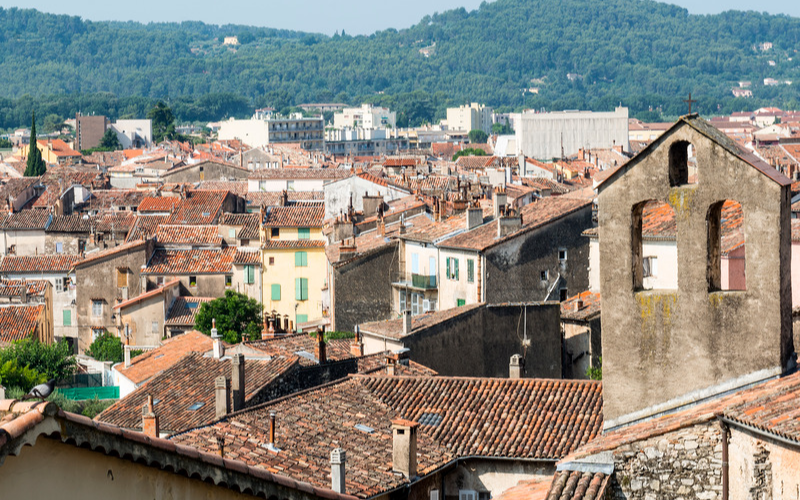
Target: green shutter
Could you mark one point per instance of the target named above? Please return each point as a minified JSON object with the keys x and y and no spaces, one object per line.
{"x":67,"y":317}
{"x":301,"y":288}
{"x":470,"y":270}
{"x":460,"y":302}
{"x":302,"y":318}
{"x":455,"y":263}
{"x":249,"y":274}
{"x":303,"y":233}
{"x":276,"y":292}
{"x":300,"y":259}
{"x":448,"y":267}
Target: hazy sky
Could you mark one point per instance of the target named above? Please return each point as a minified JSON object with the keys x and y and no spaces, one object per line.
{"x":325,"y":16}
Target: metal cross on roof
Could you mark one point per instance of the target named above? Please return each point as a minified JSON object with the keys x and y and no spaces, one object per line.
{"x":690,"y":101}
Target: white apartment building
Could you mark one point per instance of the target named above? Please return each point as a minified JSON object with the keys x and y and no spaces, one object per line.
{"x":470,"y":117}
{"x":365,"y":117}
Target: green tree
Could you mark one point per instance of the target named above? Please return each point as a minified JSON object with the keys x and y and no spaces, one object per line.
{"x":28,"y":362}
{"x":237,"y":316}
{"x":477,"y":136}
{"x":35,"y":166}
{"x":502,"y":129}
{"x":163,"y":122}
{"x":110,"y":141}
{"x":106,"y":347}
{"x":469,"y":152}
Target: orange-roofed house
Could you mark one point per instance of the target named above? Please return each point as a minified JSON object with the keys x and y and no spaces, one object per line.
{"x":58,"y":152}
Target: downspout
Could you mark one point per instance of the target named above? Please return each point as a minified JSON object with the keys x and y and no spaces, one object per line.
{"x":726,"y":433}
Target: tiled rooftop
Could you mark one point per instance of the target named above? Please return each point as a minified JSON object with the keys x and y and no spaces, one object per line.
{"x":197,"y":261}
{"x":578,"y":485}
{"x":190,"y":382}
{"x":26,"y":220}
{"x":184,"y":310}
{"x":14,"y":288}
{"x":295,"y":216}
{"x":175,"y":234}
{"x":248,"y":224}
{"x":38,"y":263}
{"x":290,"y":244}
{"x":151,"y":363}
{"x":589,"y":309}
{"x":158,"y":204}
{"x":146,"y":226}
{"x":301,"y":173}
{"x":18,"y":322}
{"x":199,"y":207}
{"x":393,"y":328}
{"x":75,"y":223}
{"x":290,"y":345}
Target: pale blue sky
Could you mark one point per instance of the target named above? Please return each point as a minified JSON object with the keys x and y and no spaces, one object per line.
{"x":325,"y":16}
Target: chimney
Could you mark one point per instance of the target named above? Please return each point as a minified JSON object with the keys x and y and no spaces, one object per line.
{"x":347,"y":249}
{"x":474,"y":217}
{"x":127,"y":349}
{"x":581,"y":154}
{"x":578,"y":304}
{"x":500,"y":201}
{"x":237,"y":382}
{"x":404,"y":447}
{"x":218,"y":347}
{"x":149,"y":418}
{"x":406,"y":322}
{"x":320,"y":349}
{"x":23,"y":292}
{"x":272,"y":428}
{"x":507,"y":225}
{"x":338,"y":459}
{"x":357,"y":345}
{"x":221,"y":396}
{"x":515,"y":367}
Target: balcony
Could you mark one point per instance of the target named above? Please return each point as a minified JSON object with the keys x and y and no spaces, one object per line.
{"x":412,"y":280}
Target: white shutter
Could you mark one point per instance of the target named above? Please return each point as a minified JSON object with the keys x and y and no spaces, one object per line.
{"x":653,"y":266}
{"x":467,"y":495}
{"x":426,"y":305}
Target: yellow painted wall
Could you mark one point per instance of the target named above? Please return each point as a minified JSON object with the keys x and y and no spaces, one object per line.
{"x":284,"y":272}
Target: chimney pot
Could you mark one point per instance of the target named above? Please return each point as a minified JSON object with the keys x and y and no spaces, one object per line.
{"x":338,"y":459}
{"x":272,"y":446}
{"x":320,"y":351}
{"x":515,"y":367}
{"x":149,"y":418}
{"x":578,"y":305}
{"x":404,"y":447}
{"x":357,"y":345}
{"x":406,"y":322}
{"x":237,"y":381}
{"x":221,"y":396}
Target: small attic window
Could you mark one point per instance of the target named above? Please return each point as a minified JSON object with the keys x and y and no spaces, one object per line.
{"x":364,"y":428}
{"x":682,"y":164}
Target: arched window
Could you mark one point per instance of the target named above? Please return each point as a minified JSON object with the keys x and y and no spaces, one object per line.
{"x":654,"y":246}
{"x":682,"y":164}
{"x":726,"y":247}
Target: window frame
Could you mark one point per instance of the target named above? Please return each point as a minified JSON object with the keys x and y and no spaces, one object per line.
{"x":97,"y":308}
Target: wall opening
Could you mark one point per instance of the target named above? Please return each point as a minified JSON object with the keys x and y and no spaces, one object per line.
{"x":682,"y":164}
{"x":654,"y":248}
{"x":726,"y":247}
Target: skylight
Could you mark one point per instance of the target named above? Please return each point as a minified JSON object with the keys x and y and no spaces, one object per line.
{"x":196,"y":406}
{"x":364,"y":428}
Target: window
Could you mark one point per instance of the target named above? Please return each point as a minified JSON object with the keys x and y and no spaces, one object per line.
{"x":650,"y":266}
{"x":275,"y":232}
{"x":681,"y":172}
{"x":402,"y":300}
{"x":66,"y":319}
{"x":275,"y":292}
{"x":249,"y":274}
{"x":66,"y":283}
{"x":414,"y":263}
{"x":122,"y":277}
{"x":272,"y":261}
{"x":228,"y":280}
{"x":192,"y":281}
{"x":301,"y":259}
{"x":154,"y":327}
{"x":414,"y":303}
{"x":562,"y":255}
{"x":59,"y":247}
{"x":301,"y":288}
{"x":460,"y":302}
{"x":160,"y":280}
{"x":96,"y":332}
{"x":544,"y":275}
{"x":452,"y":268}
{"x":231,"y":233}
{"x":470,"y":270}
{"x":726,"y":265}
{"x":97,"y":308}
{"x":467,"y":495}
{"x":303,"y":233}
{"x":290,"y":185}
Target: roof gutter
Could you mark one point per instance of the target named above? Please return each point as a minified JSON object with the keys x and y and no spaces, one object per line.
{"x":760,"y":432}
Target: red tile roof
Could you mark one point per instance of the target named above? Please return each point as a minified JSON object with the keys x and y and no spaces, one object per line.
{"x":12,"y":264}
{"x":289,"y":244}
{"x":295,"y":216}
{"x":252,"y":257}
{"x":193,"y":376}
{"x":393,"y":328}
{"x":290,"y":345}
{"x":152,"y":293}
{"x":532,"y":489}
{"x":183,"y":310}
{"x":33,"y":288}
{"x":589,"y":309}
{"x":301,"y":173}
{"x":248,"y":223}
{"x":119,"y":223}
{"x":146,"y":226}
{"x":75,"y":223}
{"x":158,"y":204}
{"x":199,"y":207}
{"x":197,"y":261}
{"x":151,"y":363}
{"x":191,"y":235}
{"x":578,"y":485}
{"x":110,"y":252}
{"x":18,"y":322}
{"x":26,"y":220}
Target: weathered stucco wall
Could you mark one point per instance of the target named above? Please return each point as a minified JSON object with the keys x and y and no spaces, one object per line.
{"x":761,"y":468}
{"x":651,"y":339}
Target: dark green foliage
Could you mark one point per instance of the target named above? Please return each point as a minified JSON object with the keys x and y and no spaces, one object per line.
{"x":502,"y":129}
{"x":237,"y":316}
{"x":642,"y":54}
{"x":93,"y":407}
{"x":36,"y":165}
{"x":335,"y":335}
{"x":478,"y":136}
{"x":28,"y":362}
{"x":5,"y":143}
{"x":595,"y":372}
{"x":106,"y":347}
{"x":163,"y":122}
{"x":110,"y":141}
{"x":469,"y":152}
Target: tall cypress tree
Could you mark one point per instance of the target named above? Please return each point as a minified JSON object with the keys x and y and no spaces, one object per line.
{"x":36,"y":165}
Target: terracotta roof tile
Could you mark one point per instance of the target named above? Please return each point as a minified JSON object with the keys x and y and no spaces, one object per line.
{"x":184,"y":234}
{"x":199,"y":207}
{"x":118,"y":222}
{"x":151,"y":363}
{"x":197,"y":261}
{"x":295,"y":216}
{"x":38,"y":263}
{"x":184,"y":310}
{"x":26,"y":220}
{"x":288,"y":244}
{"x":145,"y":226}
{"x":158,"y":204}
{"x":14,"y":288}
{"x":301,"y":173}
{"x":75,"y":223}
{"x":18,"y":322}
{"x":152,"y":293}
{"x":248,"y":223}
{"x":189,"y":382}
{"x":532,"y":489}
{"x":575,"y":484}
{"x":290,"y":345}
{"x":589,"y":308}
{"x":252,"y":257}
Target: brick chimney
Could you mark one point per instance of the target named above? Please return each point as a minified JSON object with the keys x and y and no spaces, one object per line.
{"x":474,"y":217}
{"x":221,"y":401}
{"x":338,"y":459}
{"x":320,"y":350}
{"x":515,"y":367}
{"x":149,"y":418}
{"x":508,"y":224}
{"x":404,"y":447}
{"x":237,"y":381}
{"x":406,"y":322}
{"x":357,"y":345}
{"x":500,"y":201}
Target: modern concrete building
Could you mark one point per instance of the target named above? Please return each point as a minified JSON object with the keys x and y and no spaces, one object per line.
{"x":552,"y":135}
{"x":367,"y":117}
{"x":470,"y":117}
{"x":309,"y":132}
{"x":134,"y":133}
{"x":89,"y":130}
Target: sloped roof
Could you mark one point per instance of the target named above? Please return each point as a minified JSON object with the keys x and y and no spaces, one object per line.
{"x":295,"y":216}
{"x":18,"y":322}
{"x":196,"y":261}
{"x":200,"y":207}
{"x":151,"y":363}
{"x":184,"y":310}
{"x":301,"y":173}
{"x":14,"y":288}
{"x":189,"y":382}
{"x":38,"y":263}
{"x":184,"y":234}
{"x":75,"y":223}
{"x":589,"y":309}
{"x":393,"y":328}
{"x":26,"y":220}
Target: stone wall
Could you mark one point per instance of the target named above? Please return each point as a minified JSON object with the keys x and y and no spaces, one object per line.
{"x":761,"y":468}
{"x":683,"y":464}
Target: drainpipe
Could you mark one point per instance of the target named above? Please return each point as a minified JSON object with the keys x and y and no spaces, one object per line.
{"x":726,"y":434}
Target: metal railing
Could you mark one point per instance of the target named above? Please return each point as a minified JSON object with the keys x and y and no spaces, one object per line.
{"x":423,"y":281}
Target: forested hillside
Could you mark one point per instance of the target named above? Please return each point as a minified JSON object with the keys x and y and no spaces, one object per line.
{"x":639,"y":53}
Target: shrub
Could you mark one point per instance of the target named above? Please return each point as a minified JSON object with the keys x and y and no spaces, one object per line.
{"x":106,"y":347}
